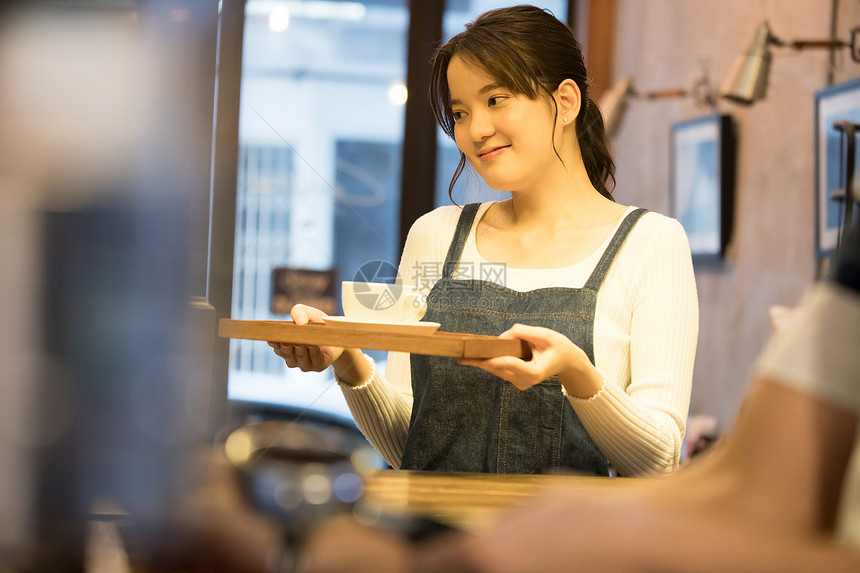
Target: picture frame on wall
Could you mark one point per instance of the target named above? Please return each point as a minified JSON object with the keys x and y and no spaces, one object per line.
{"x":832,"y":104}
{"x":702,"y":182}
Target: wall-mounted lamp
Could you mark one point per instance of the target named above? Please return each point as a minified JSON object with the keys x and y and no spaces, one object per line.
{"x":613,"y":102}
{"x":747,"y":81}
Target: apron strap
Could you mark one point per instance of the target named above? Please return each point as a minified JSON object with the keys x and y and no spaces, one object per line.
{"x":599,"y":272}
{"x":464,"y":225}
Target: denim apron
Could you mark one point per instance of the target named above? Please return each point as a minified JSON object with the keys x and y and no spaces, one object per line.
{"x":466,"y":419}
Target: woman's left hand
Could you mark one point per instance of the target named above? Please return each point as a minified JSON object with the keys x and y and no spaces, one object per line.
{"x":552,"y":354}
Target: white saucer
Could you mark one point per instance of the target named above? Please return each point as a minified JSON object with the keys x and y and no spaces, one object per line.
{"x":388,"y":327}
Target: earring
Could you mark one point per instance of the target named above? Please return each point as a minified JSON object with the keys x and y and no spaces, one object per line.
{"x":564,"y":119}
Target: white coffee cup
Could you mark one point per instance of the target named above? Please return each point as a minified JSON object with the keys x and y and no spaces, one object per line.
{"x":381,"y":302}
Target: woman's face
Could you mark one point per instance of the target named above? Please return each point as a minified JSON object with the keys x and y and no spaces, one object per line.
{"x":506,"y":138}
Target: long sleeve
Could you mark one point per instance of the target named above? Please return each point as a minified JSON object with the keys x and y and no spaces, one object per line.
{"x":382,"y":412}
{"x":646,"y":333}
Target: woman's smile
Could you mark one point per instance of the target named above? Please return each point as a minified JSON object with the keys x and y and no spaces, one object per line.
{"x":492,"y":153}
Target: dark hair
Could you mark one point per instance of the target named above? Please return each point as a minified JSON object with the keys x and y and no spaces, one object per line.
{"x":530,"y":52}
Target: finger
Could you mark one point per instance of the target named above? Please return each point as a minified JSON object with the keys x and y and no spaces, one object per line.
{"x":528,"y":333}
{"x":498,"y":369}
{"x":495,"y":363}
{"x":303,"y":314}
{"x":302,"y":357}
{"x":299,"y":314}
{"x":276,"y":346}
{"x":317,"y":358}
{"x":521,"y":374}
{"x":287,"y":352}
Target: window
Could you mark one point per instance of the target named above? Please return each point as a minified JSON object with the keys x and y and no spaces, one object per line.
{"x":320,"y":135}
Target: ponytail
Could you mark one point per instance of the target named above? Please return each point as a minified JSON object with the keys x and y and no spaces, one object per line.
{"x":594,"y":148}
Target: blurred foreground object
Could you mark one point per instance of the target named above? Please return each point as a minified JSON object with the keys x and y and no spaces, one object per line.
{"x":296,"y":474}
{"x":102,"y":389}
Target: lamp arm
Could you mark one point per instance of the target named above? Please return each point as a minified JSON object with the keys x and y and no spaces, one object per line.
{"x":803,"y":44}
{"x":853,"y":43}
{"x":663,"y":94}
{"x":701,"y":91}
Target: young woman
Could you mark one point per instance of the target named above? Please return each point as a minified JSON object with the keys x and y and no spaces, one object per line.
{"x":604,"y":294}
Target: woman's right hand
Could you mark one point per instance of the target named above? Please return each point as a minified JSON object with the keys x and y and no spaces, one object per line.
{"x":307,"y":358}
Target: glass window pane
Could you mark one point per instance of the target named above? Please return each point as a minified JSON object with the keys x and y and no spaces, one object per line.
{"x":320,"y":135}
{"x":470,"y":188}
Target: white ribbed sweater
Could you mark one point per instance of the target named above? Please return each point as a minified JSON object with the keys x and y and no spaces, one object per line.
{"x":645,"y":334}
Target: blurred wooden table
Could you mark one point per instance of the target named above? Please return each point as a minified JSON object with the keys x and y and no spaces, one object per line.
{"x":466,"y":501}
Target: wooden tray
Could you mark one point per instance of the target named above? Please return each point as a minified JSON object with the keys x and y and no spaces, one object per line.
{"x":436,"y":343}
